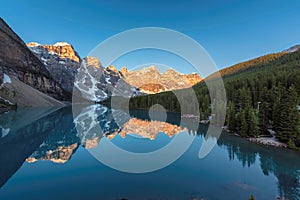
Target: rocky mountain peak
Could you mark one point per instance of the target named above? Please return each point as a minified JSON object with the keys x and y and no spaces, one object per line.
{"x":151,"y":68}
{"x":91,"y":78}
{"x":92,"y":61}
{"x":62,"y":44}
{"x":124,"y":71}
{"x":62,"y":49}
{"x":33,"y":44}
{"x":170,"y":71}
{"x":112,"y":68}
{"x":192,"y":78}
{"x":150,"y":81}
{"x":60,"y":59}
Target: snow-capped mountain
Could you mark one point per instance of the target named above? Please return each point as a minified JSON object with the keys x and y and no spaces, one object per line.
{"x":95,"y":82}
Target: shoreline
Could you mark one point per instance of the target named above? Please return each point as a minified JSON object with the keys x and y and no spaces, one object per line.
{"x":268,"y":141}
{"x":262,"y":140}
{"x":265,"y":141}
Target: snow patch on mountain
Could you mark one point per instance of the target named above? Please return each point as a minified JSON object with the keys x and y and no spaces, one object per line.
{"x":6,"y":79}
{"x":292,"y":49}
{"x":61,"y":44}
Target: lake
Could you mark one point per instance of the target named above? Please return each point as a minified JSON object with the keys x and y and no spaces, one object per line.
{"x":49,"y":153}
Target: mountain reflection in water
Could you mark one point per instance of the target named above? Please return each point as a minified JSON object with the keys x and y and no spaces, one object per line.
{"x":40,"y":134}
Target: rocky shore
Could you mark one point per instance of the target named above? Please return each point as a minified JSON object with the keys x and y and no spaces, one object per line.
{"x":269,"y":141}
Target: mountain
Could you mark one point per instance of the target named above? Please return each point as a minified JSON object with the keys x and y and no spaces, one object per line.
{"x":17,"y":61}
{"x":62,"y":49}
{"x":44,"y":75}
{"x":253,"y":63}
{"x":262,"y":95}
{"x":60,"y":59}
{"x":292,"y":49}
{"x":93,"y":81}
{"x":97,"y":83}
{"x":247,"y":65}
{"x":149,"y":80}
{"x":28,"y":82}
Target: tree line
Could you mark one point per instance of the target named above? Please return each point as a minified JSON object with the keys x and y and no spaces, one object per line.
{"x":262,"y":95}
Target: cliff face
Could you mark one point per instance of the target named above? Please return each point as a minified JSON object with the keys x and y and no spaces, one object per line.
{"x":62,"y":49}
{"x":95,"y":82}
{"x":18,"y":61}
{"x":61,"y":61}
{"x":92,"y":62}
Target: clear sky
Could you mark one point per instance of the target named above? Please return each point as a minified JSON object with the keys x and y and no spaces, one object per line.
{"x":230,"y":30}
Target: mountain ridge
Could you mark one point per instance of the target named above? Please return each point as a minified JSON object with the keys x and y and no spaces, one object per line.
{"x":292,"y":48}
{"x":63,"y":67}
{"x":254,"y":62}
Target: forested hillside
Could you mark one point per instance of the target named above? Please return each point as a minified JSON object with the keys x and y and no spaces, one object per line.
{"x":262,"y":94}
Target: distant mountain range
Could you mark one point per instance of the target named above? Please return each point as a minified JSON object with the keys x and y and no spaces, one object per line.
{"x":42,"y":74}
{"x":63,"y":62}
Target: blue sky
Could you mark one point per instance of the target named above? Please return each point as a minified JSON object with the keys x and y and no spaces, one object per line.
{"x":230,"y":30}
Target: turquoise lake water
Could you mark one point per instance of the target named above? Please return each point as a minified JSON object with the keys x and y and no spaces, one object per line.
{"x":45,"y":154}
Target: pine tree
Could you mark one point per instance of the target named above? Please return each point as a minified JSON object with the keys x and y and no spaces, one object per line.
{"x":253,"y":123}
{"x":231,"y":116}
{"x":287,"y":121}
{"x":244,"y":128}
{"x":264,"y":111}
